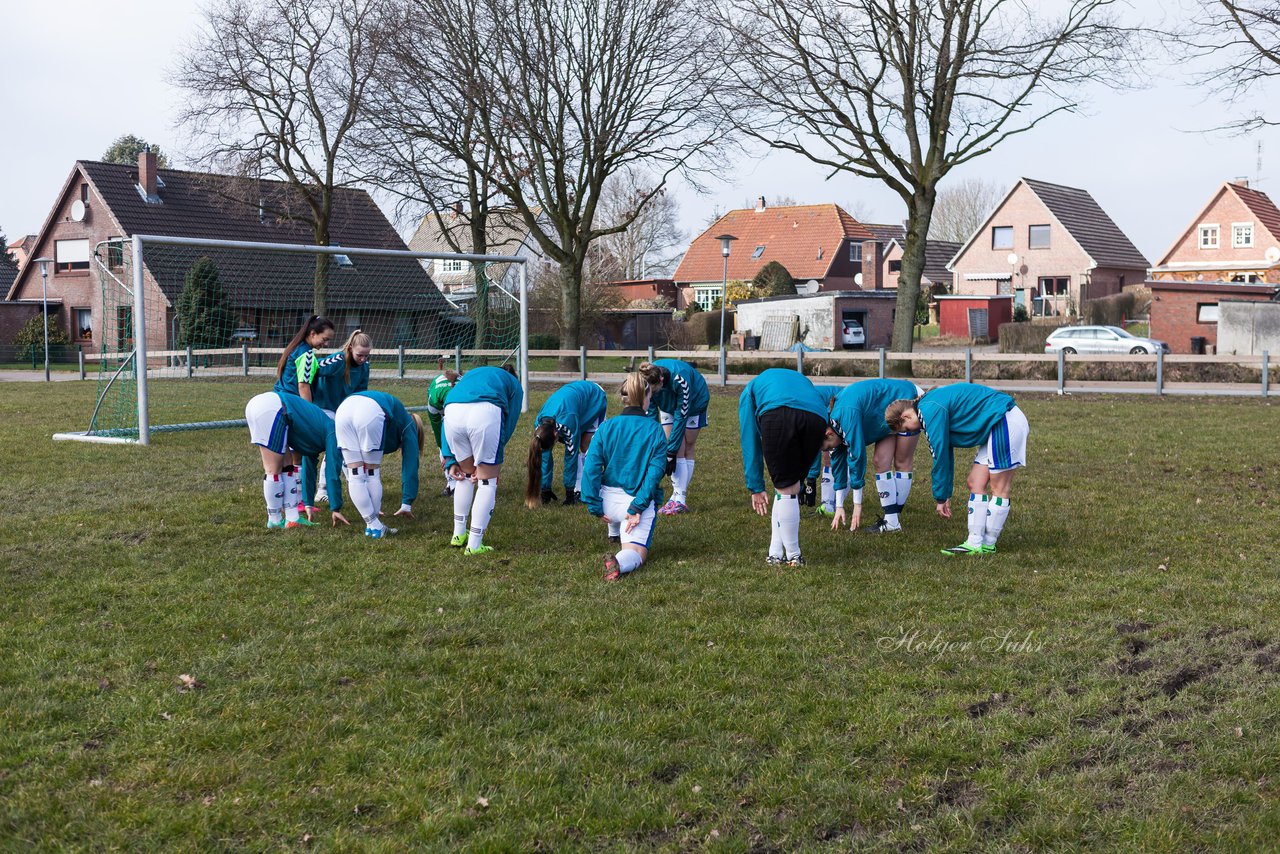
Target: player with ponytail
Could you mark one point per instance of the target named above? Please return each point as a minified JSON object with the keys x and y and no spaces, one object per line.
{"x":680,"y":400}
{"x":299,"y":363}
{"x":339,"y":376}
{"x":571,"y":416}
{"x":622,"y":476}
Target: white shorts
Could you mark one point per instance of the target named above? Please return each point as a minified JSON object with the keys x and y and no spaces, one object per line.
{"x":615,"y":503}
{"x":474,"y":430}
{"x":267,"y":425}
{"x":695,"y":421}
{"x":1006,"y":447}
{"x":360,"y":426}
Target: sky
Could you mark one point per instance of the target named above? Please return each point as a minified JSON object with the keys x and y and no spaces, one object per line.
{"x":80,"y":73}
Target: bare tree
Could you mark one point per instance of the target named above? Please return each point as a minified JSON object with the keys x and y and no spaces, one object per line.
{"x":653,"y":242}
{"x":276,"y":88}
{"x":905,"y":92}
{"x":1241,"y":40}
{"x":962,"y":208}
{"x":569,"y":92}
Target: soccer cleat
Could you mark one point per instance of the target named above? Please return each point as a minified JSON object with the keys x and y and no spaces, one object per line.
{"x":322,"y":496}
{"x":673,"y":508}
{"x":445,"y":493}
{"x":963,"y":549}
{"x":301,"y":522}
{"x":881,"y":526}
{"x":796,"y":561}
{"x":612,"y":572}
{"x":277,"y":525}
{"x":481,"y":549}
{"x":458,"y":541}
{"x":571,"y":498}
{"x":824,"y":510}
{"x":988,"y":549}
{"x":548,"y":496}
{"x":616,"y":538}
{"x":774,"y":560}
{"x":379,"y":533}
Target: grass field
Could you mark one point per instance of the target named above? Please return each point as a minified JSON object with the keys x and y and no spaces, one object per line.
{"x":1110,"y":680}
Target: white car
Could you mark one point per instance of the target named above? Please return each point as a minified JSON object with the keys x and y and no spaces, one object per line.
{"x":852,"y":334}
{"x":1100,"y":339}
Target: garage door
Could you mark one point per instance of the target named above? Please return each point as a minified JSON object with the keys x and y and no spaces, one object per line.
{"x":978,"y":323}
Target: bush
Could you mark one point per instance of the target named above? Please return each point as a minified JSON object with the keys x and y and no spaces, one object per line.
{"x":1029,"y":336}
{"x":710,"y":329}
{"x":1020,"y":314}
{"x":774,"y":280}
{"x":31,"y":335}
{"x":692,"y":309}
{"x":544,"y":341}
{"x":1115,"y":310}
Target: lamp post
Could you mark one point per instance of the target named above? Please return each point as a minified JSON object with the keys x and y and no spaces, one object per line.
{"x":725,"y":240}
{"x":1013,"y":268}
{"x":44,"y":300}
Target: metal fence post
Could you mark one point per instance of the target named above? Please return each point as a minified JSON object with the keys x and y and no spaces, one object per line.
{"x":1266,"y":374}
{"x":190,"y":367}
{"x":1160,"y":372}
{"x":882,"y":365}
{"x":457,"y":358}
{"x":800,"y":361}
{"x":650,"y":352}
{"x":582,"y":361}
{"x":400,"y":361}
{"x":1062,"y":371}
{"x":724,"y":367}
{"x":244,"y":357}
{"x":968,"y":365}
{"x":81,"y":349}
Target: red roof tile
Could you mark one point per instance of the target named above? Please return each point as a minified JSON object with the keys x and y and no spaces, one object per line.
{"x":1262,"y":206}
{"x":805,"y":239}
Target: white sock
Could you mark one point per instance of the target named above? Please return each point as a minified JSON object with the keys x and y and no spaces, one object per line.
{"x":291,"y":494}
{"x":786,"y":515}
{"x":776,"y":548}
{"x":977,"y":518}
{"x":448,"y":481}
{"x":321,"y":480}
{"x":887,"y":491}
{"x":273,"y":492}
{"x":482,"y":510}
{"x":577,"y":484}
{"x":997,"y":513}
{"x":358,"y":486}
{"x":680,"y":480}
{"x":828,"y":489}
{"x":375,"y":489}
{"x":463,"y":492}
{"x":615,"y":529}
{"x":628,"y":560}
{"x":903,"y":481}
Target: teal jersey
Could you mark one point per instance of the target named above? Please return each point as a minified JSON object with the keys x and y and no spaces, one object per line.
{"x":332,"y":385}
{"x":302,"y":365}
{"x":774,"y":388}
{"x":488,"y":385}
{"x":960,"y":415}
{"x":857,"y":416}
{"x":684,"y":394}
{"x":828,"y":393}
{"x":437,"y":394}
{"x":574,"y":407}
{"x":629,"y":452}
{"x":311,"y":434}
{"x":399,"y":434}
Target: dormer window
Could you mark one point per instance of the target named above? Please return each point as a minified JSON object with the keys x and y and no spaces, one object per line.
{"x":1241,"y":235}
{"x":1209,"y":237}
{"x":755,"y":256}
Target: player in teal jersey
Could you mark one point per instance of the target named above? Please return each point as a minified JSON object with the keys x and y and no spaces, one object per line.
{"x":338,"y":377}
{"x":964,"y":415}
{"x":370,"y":424}
{"x":571,"y":416}
{"x":299,"y":363}
{"x":437,"y":394}
{"x":284,"y":426}
{"x":622,"y":476}
{"x":680,"y":400}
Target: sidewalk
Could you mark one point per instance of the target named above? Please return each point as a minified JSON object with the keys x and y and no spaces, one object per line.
{"x":37,"y":376}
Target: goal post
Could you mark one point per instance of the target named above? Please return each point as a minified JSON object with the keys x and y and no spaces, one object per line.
{"x":176,"y":309}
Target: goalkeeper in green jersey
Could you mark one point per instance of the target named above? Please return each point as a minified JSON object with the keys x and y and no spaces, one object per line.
{"x":436,"y":394}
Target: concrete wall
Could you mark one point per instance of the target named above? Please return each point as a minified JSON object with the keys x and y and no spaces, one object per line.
{"x":1175,"y":310}
{"x":1248,"y":328}
{"x":816,"y":314}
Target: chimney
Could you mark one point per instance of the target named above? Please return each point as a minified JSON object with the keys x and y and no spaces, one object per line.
{"x":872,"y":263}
{"x":760,"y":204}
{"x":1241,"y":182}
{"x":147,"y":172}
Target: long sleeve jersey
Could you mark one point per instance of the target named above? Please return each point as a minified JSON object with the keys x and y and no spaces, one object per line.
{"x":858,"y":417}
{"x":774,"y":388}
{"x":399,"y":434}
{"x":960,"y":415}
{"x":437,"y":396}
{"x":302,"y":365}
{"x":311,"y":434}
{"x":573,"y":407}
{"x":629,"y":453}
{"x":488,"y":385}
{"x":684,"y":393}
{"x":332,"y":385}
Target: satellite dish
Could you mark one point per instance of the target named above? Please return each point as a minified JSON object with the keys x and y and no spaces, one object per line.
{"x":1272,"y":255}
{"x":1012,"y":259}
{"x":77,"y":211}
{"x":857,"y":279}
{"x":807,"y":288}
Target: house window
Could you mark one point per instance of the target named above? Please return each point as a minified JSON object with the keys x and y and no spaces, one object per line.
{"x":1208,"y":237}
{"x":1053,"y":285}
{"x":1038,"y":236}
{"x":1246,"y":278}
{"x":855,"y":251}
{"x":895,"y":266}
{"x":707,"y":297}
{"x":84,"y":193}
{"x":343,"y":260}
{"x":1206,"y":312}
{"x":449,"y":265}
{"x":82,"y":323}
{"x":71,"y":255}
{"x":115,"y":253}
{"x":1241,"y":235}
{"x":759,"y":251}
{"x":1002,"y":237}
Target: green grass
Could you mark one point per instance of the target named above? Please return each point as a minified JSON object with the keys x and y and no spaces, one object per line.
{"x":392,"y":695}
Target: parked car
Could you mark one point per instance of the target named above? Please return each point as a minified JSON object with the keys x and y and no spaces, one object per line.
{"x":852,"y":334}
{"x":1100,"y":339}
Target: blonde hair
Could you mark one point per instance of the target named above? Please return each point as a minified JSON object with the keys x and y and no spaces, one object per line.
{"x":895,"y":411}
{"x":636,"y":386}
{"x":422,"y":431}
{"x":357,"y":339}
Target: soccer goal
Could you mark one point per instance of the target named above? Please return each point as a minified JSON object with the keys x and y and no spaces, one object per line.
{"x":175,"y":310}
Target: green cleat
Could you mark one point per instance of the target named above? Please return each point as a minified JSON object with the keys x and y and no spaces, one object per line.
{"x":458,"y":541}
{"x":989,"y":550}
{"x":964,"y":549}
{"x":481,"y":549}
{"x":301,"y":522}
{"x":277,"y":525}
{"x":824,"y":510}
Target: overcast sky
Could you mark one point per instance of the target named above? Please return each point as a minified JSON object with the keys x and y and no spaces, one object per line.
{"x":79,"y":73}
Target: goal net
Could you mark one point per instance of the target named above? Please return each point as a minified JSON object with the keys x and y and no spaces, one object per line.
{"x":177,"y":311}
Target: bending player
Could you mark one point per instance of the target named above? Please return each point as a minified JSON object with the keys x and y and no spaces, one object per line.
{"x":622,"y":477}
{"x":571,"y":416}
{"x":819,"y":486}
{"x":680,"y":400}
{"x":370,"y":424}
{"x":479,"y":419}
{"x":966,"y":415}
{"x":284,"y":426}
{"x":338,"y":377}
{"x":857,"y":417}
{"x":781,"y":417}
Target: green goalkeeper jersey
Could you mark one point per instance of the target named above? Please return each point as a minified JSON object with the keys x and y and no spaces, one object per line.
{"x":436,"y":395}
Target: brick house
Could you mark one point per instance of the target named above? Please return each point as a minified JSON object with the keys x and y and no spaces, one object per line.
{"x":1052,"y":247}
{"x":506,"y":234}
{"x":1184,"y":311}
{"x":647,"y":289}
{"x":935,"y":277}
{"x":819,"y":242}
{"x":102,"y":205}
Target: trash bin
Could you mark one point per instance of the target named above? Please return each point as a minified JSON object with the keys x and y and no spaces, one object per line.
{"x":751,"y":342}
{"x":1197,"y":344}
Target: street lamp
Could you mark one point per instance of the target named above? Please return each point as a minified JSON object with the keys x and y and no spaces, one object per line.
{"x":725,"y":240}
{"x":1013,"y":261}
{"x":44,"y":299}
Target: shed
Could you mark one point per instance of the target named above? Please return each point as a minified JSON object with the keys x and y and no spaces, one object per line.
{"x":974,"y":315}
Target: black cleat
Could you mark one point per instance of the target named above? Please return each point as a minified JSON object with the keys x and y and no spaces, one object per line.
{"x":881,"y":526}
{"x":570,"y":498}
{"x":548,"y":496}
{"x":616,"y":539}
